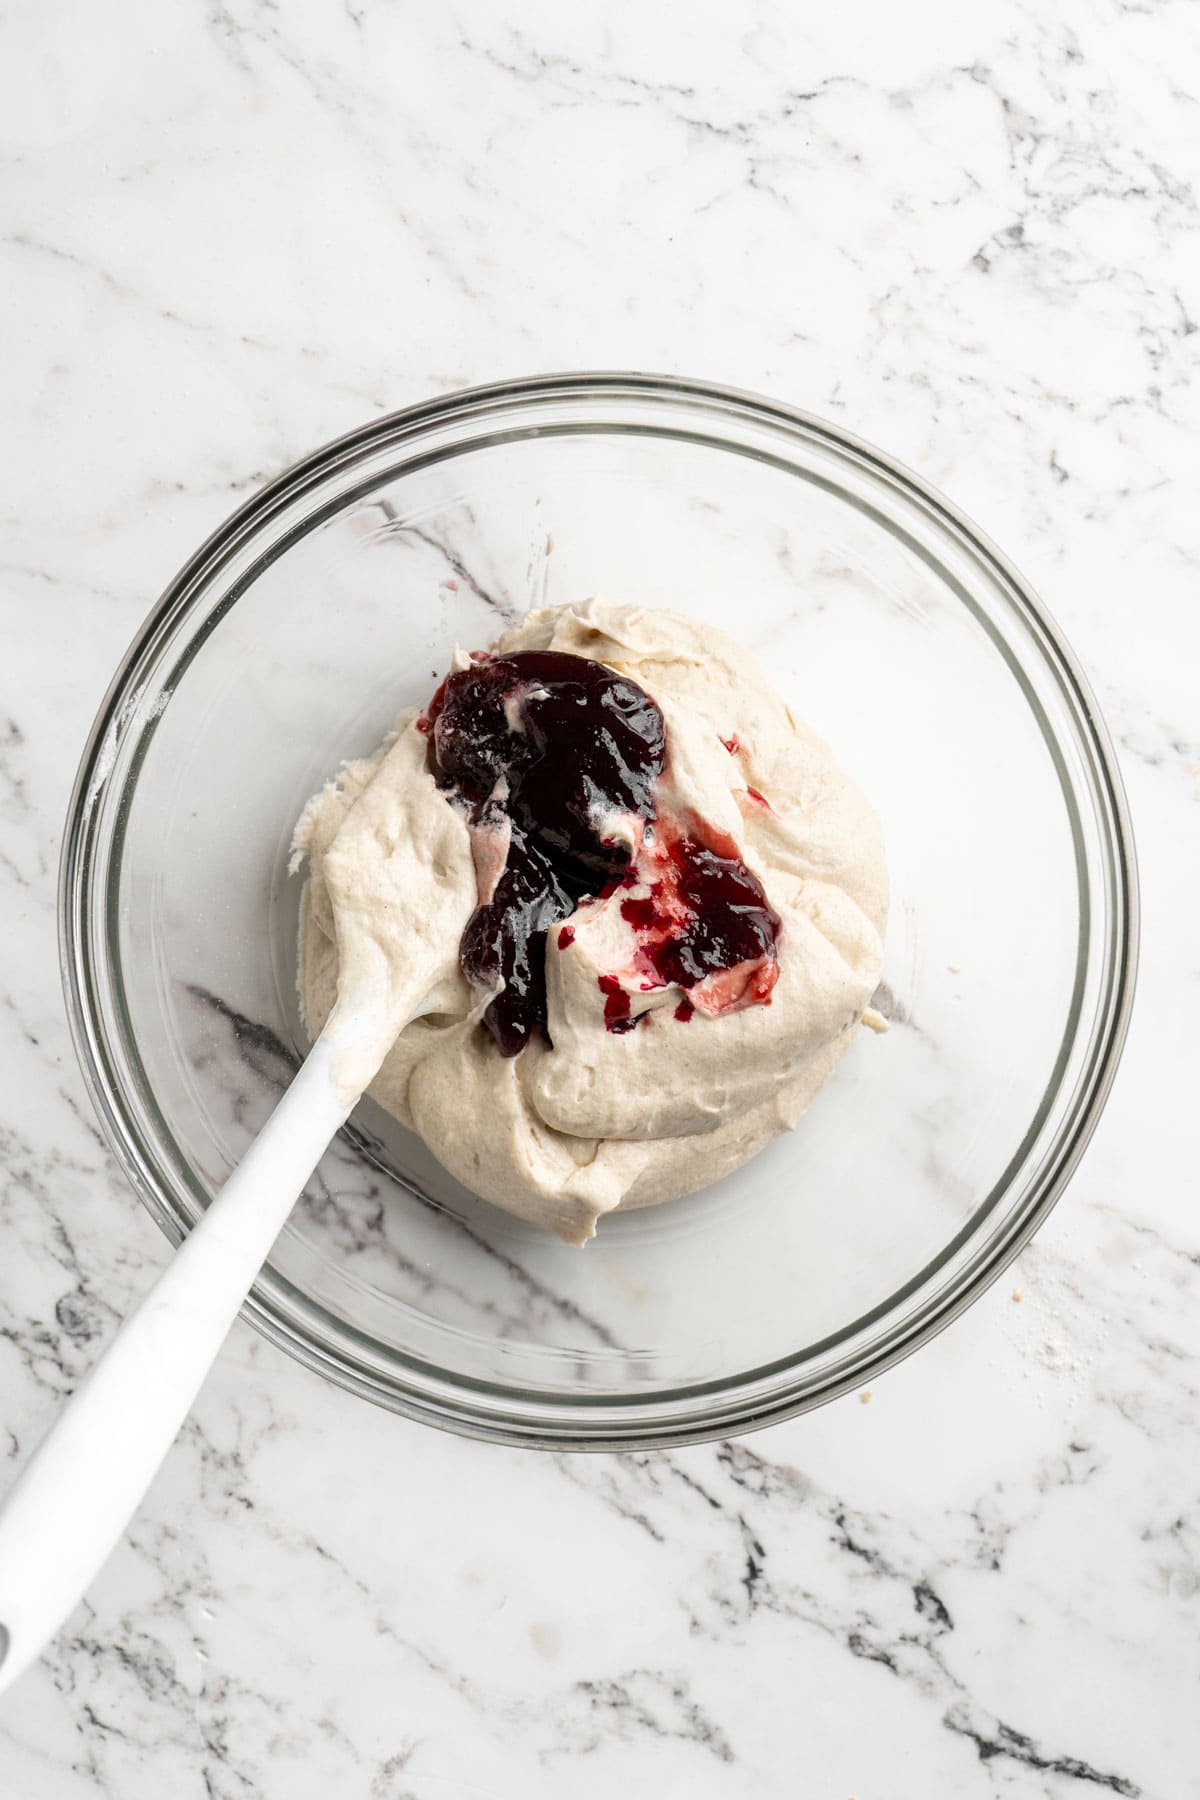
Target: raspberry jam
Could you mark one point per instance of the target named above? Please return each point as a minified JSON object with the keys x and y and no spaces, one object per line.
{"x":571,"y":753}
{"x":706,"y":914}
{"x":565,"y":747}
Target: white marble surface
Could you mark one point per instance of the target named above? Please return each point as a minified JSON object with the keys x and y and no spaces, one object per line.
{"x":972,"y":235}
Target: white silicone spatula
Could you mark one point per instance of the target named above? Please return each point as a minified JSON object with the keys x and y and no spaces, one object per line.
{"x":80,"y":1488}
{"x":400,"y":879}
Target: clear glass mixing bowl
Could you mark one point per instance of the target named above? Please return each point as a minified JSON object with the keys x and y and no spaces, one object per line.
{"x":331,"y":601}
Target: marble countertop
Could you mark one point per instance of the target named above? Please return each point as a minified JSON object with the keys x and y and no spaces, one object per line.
{"x":970,"y":234}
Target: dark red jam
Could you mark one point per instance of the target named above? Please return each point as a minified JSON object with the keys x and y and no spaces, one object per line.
{"x":706,"y":913}
{"x":704,"y":916}
{"x":559,"y":744}
{"x":616,"y":1005}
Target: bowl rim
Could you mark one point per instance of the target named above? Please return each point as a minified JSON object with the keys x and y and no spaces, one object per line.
{"x":646,"y":1422}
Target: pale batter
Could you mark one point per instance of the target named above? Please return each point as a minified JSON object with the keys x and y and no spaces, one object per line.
{"x":634,"y":1088}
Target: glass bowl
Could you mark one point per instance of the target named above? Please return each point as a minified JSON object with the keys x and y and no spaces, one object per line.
{"x":333,"y":600}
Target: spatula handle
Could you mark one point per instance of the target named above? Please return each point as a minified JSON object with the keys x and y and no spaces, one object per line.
{"x":81,"y":1486}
